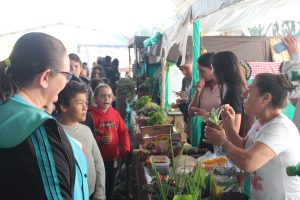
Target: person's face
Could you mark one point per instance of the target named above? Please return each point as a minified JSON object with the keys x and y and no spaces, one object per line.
{"x":186,"y":70}
{"x":254,"y":102}
{"x":75,"y":67}
{"x":57,"y":82}
{"x":76,"y":111}
{"x":205,"y":73}
{"x":97,"y":73}
{"x":83,"y":72}
{"x":104,"y":98}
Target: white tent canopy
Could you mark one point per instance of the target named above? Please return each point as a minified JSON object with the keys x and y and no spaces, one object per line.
{"x":85,"y":22}
{"x":248,"y":13}
{"x":117,"y":16}
{"x":226,"y":15}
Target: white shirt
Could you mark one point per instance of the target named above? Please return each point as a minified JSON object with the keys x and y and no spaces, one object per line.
{"x":271,"y":181}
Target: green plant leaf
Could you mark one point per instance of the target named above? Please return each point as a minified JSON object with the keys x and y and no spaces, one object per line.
{"x":212,"y":117}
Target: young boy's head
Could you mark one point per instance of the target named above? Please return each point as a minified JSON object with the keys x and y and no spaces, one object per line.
{"x":103,"y":96}
{"x":72,"y":102}
{"x":75,"y":64}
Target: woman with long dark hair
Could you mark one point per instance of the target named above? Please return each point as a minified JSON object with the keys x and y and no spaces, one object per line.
{"x":227,"y":71}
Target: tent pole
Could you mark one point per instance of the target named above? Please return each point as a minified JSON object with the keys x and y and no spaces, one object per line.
{"x":196,"y":123}
{"x":163,"y":80}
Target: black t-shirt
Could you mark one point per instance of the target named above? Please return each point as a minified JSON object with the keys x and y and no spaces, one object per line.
{"x":20,"y":171}
{"x":233,"y":97}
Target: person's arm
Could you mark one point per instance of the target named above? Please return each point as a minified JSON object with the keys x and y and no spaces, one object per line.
{"x":237,"y":122}
{"x":194,"y":105}
{"x":229,"y":124}
{"x":292,"y":47}
{"x":123,"y":137}
{"x":99,"y":192}
{"x":251,"y":159}
{"x":246,"y":159}
{"x":234,"y":99}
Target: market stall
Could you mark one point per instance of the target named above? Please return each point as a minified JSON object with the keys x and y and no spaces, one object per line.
{"x":166,"y":167}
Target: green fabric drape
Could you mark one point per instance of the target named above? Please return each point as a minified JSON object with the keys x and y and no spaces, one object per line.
{"x":152,"y":40}
{"x":196,"y":123}
{"x":142,"y":69}
{"x":151,"y":69}
{"x":127,"y":122}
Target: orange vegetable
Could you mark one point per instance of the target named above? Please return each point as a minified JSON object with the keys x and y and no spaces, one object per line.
{"x":220,"y":161}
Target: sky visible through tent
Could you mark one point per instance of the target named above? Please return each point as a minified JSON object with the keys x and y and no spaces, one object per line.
{"x":87,"y":27}
{"x":122,"y":17}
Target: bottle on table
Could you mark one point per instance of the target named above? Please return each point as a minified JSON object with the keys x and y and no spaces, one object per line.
{"x":293,"y":75}
{"x":293,"y":170}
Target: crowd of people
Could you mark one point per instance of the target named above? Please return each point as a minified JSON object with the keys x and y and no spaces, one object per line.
{"x":264,"y":147}
{"x":61,"y":138}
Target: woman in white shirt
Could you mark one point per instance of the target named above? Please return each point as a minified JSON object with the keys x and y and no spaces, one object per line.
{"x":272,"y":144}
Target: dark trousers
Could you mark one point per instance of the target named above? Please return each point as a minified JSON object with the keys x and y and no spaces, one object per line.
{"x":110,"y":177}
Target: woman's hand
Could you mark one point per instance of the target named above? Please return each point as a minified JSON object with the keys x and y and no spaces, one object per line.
{"x":181,"y":94}
{"x":214,"y":134}
{"x":228,"y":116}
{"x":291,"y":44}
{"x":200,"y":85}
{"x":181,"y":101}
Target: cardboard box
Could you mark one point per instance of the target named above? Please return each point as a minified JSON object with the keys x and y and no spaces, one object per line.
{"x":148,"y":131}
{"x":161,"y":143}
{"x":157,"y":138}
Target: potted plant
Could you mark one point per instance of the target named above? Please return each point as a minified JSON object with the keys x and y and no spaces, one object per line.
{"x":180,"y":186}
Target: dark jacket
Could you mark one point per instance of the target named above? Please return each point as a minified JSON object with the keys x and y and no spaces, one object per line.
{"x":37,"y":160}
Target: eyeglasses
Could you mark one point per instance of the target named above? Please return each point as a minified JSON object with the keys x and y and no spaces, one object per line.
{"x":68,"y":75}
{"x":103,"y":96}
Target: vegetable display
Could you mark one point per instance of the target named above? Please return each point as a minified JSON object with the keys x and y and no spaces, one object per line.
{"x":149,"y":108}
{"x":158,"y":118}
{"x":142,"y":101}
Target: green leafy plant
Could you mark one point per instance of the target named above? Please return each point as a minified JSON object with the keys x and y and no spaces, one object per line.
{"x":141,"y":102}
{"x":213,"y":116}
{"x":149,"y":108}
{"x":180,"y":186}
{"x":158,"y":117}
